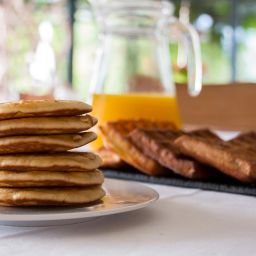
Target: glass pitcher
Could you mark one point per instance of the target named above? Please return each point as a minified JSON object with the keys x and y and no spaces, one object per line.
{"x":133,"y":75}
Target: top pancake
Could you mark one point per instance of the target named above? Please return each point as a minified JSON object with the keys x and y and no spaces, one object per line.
{"x":32,"y":108}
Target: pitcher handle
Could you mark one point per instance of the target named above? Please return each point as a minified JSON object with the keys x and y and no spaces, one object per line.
{"x":192,"y":43}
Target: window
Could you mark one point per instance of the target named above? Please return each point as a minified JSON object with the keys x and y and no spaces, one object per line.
{"x":227,"y":30}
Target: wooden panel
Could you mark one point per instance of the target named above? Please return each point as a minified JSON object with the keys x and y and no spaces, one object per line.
{"x":229,"y":107}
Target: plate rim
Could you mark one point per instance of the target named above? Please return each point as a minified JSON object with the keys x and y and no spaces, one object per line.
{"x":60,"y":216}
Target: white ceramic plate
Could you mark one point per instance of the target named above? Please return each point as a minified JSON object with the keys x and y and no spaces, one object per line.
{"x":121,"y":196}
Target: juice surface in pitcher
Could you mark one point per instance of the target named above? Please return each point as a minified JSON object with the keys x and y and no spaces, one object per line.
{"x":110,"y":107}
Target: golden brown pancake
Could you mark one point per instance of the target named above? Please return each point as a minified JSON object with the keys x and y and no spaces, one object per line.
{"x":66,"y":161}
{"x":48,"y":179}
{"x":50,"y":196}
{"x":44,"y":143}
{"x":46,"y":125}
{"x":37,"y":108}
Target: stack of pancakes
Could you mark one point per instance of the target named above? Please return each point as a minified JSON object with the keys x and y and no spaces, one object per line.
{"x":36,"y":167}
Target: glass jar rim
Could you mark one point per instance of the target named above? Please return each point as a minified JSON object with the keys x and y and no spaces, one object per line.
{"x":161,"y":7}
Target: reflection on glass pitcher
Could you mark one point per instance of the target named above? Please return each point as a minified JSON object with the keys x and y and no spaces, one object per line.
{"x":133,"y":76}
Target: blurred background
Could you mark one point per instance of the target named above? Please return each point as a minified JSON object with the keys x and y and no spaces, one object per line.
{"x":51,"y":44}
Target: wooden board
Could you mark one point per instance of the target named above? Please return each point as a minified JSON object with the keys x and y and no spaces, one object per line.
{"x":227,"y":107}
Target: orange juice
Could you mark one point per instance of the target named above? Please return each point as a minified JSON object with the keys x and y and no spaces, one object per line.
{"x":109,"y":107}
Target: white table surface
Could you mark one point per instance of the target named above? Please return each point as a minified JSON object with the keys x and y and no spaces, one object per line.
{"x":183,"y":222}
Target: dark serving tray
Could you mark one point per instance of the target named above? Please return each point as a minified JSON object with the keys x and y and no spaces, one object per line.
{"x":224,"y":185}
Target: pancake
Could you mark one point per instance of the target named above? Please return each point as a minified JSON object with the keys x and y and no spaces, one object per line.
{"x":44,"y":143}
{"x":66,"y":161}
{"x":46,"y":125}
{"x":36,"y":108}
{"x":47,"y":179}
{"x":50,"y":196}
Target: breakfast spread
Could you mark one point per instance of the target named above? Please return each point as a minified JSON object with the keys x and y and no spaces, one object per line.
{"x":36,"y":167}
